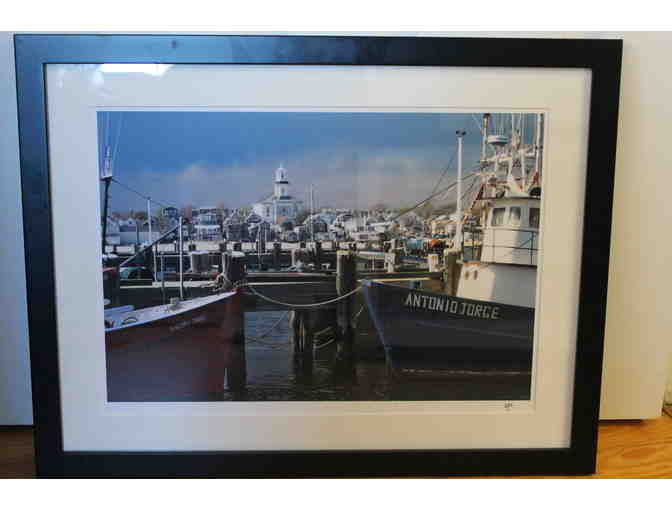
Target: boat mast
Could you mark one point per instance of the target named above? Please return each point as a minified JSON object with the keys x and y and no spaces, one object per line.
{"x":151,"y":240}
{"x":458,"y":226}
{"x":537,"y":145}
{"x":484,"y":133}
{"x":312,"y":213}
{"x":106,"y":177}
{"x":180,"y":261}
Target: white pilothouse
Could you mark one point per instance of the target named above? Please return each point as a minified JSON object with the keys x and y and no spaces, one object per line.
{"x":508,"y":205}
{"x":485,"y":316}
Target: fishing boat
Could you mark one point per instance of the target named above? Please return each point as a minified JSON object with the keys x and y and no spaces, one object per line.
{"x":179,"y":351}
{"x":485,"y":317}
{"x":174,"y":352}
{"x":427,"y":331}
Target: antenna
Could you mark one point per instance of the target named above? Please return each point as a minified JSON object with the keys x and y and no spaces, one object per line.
{"x":458,"y":227}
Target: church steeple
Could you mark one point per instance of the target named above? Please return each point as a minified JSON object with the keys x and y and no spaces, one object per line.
{"x":281,"y":183}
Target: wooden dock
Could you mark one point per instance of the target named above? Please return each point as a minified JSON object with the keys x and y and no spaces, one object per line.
{"x":370,"y":255}
{"x":294,"y":288}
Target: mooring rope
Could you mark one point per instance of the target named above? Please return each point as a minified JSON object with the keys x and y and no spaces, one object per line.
{"x":275,"y":345}
{"x":272,"y":328}
{"x":354,"y":319}
{"x":328,"y":342}
{"x":310,"y":305}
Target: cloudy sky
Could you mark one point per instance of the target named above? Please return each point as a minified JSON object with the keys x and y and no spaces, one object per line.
{"x":351,"y":159}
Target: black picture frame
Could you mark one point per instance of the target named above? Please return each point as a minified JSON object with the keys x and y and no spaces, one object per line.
{"x":34,"y":52}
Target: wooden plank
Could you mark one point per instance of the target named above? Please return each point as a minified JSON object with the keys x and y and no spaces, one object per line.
{"x":625,"y":449}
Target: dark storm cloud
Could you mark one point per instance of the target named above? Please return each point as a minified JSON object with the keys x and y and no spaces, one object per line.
{"x":352,"y":159}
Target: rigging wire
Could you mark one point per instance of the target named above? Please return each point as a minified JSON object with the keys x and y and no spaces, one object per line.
{"x":452,"y":158}
{"x":118,"y":138}
{"x":139,"y":193}
{"x":478,"y":124}
{"x":311,"y":305}
{"x":434,"y":195}
{"x":108,"y":130}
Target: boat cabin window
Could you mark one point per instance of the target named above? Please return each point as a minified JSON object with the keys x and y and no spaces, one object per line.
{"x":498,"y":217}
{"x":534,"y":217}
{"x":514,"y":216}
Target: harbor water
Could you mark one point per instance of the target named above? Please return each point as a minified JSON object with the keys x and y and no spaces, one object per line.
{"x":273,"y":373}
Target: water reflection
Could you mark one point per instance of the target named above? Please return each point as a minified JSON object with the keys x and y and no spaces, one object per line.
{"x":269,"y":369}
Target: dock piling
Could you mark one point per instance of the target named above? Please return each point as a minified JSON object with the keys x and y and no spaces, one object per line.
{"x":392,"y":259}
{"x":451,"y":271}
{"x":277,"y":247}
{"x":303,"y":338}
{"x":346,"y":281}
{"x":235,"y":375}
{"x":433,"y":262}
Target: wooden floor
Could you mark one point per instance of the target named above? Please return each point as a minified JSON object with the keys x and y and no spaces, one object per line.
{"x":637,"y":449}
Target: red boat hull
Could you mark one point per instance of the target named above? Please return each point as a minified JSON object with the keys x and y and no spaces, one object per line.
{"x":183,"y":357}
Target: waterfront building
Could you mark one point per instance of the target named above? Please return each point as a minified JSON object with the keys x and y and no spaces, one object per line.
{"x":253,"y":218}
{"x":278,"y":206}
{"x":235,"y":228}
{"x":316,"y":224}
{"x":170,"y":212}
{"x":260,"y":230}
{"x":132,"y":231}
{"x":207,"y":224}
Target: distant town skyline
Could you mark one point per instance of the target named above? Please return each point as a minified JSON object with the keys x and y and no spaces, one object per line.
{"x":353,"y":159}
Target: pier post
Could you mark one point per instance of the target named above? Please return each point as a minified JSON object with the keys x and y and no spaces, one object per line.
{"x":303,"y":339}
{"x":433,"y":262}
{"x":346,"y":281}
{"x":295,"y":327}
{"x":318,"y":255}
{"x":235,"y":374}
{"x":233,"y":267}
{"x":451,"y":271}
{"x":391,"y":261}
{"x":303,"y":336}
{"x":277,"y":248}
{"x":308,"y":338}
{"x":222,"y":251}
{"x":299,"y":257}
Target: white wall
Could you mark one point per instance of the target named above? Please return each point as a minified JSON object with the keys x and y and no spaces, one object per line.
{"x":15,"y":395}
{"x":639,"y":322}
{"x":639,"y":325}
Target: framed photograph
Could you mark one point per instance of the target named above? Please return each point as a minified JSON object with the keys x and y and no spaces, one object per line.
{"x":316,"y":256}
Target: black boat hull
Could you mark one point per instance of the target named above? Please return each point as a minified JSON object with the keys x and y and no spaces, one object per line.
{"x":428,"y":331}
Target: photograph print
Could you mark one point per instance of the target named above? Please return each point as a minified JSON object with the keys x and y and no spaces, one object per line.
{"x":320,"y":255}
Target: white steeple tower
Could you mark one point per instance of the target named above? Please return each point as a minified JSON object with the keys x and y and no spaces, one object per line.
{"x":281,"y":182}
{"x":280,"y":206}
